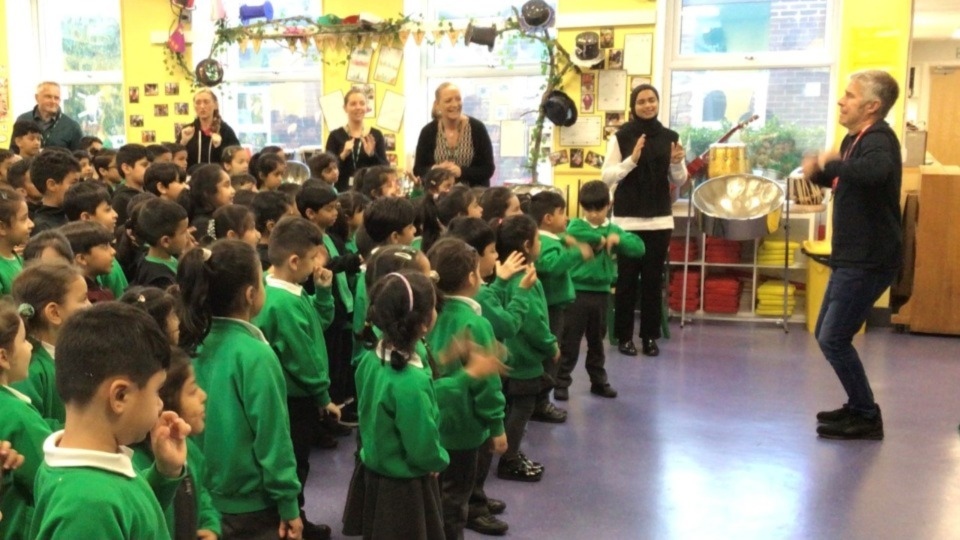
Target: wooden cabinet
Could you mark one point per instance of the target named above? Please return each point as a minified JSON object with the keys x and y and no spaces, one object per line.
{"x":934,"y":304}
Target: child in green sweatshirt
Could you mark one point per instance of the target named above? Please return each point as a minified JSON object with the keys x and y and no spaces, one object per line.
{"x":293,"y":322}
{"x":251,"y":469}
{"x":87,"y":486}
{"x":592,"y":281}
{"x":558,"y":256}
{"x":15,"y":227}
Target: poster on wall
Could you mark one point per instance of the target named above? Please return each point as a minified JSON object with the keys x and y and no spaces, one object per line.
{"x":612,"y":90}
{"x":4,"y":101}
{"x":358,"y":70}
{"x":331,"y":105}
{"x":391,"y":111}
{"x":586,"y":132}
{"x":388,"y":65}
{"x":638,"y":53}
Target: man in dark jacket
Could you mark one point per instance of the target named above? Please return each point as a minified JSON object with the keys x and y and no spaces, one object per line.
{"x":57,"y":128}
{"x":865,"y":176}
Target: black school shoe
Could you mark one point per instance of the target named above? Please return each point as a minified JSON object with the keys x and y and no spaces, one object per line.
{"x":315,"y":531}
{"x":627,"y":348}
{"x":550,"y":414}
{"x":603,"y":390}
{"x":496,"y":506}
{"x":515,"y":469}
{"x":534,"y":465}
{"x":488,"y":525}
{"x":561,"y":394}
{"x":836,"y":415}
{"x":854,"y":427}
{"x":650,"y":347}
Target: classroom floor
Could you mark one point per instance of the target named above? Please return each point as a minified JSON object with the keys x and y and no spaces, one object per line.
{"x":714,"y":439}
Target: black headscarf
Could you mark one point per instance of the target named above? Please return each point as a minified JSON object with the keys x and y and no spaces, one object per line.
{"x":638,"y":126}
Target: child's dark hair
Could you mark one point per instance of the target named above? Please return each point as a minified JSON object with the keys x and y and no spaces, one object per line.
{"x":50,"y":238}
{"x":293,"y":235}
{"x":213,"y":283}
{"x":435,"y":177}
{"x":129,"y":247}
{"x":387,"y":215}
{"x":290,"y":189}
{"x":594,"y":195}
{"x":9,"y":325}
{"x":177,"y":374}
{"x":86,"y":143}
{"x":52,"y":166}
{"x":156,"y":150}
{"x":157,"y":218}
{"x":17,"y":173}
{"x":401,"y":304}
{"x":391,"y":259}
{"x":81,"y":154}
{"x":163,"y":173}
{"x":130,"y":154}
{"x":158,"y":303}
{"x":91,"y":351}
{"x":174,"y":148}
{"x":369,"y":181}
{"x":102,"y":160}
{"x":435,"y":214}
{"x":544,"y":203}
{"x":25,"y":127}
{"x":226,"y":156}
{"x":40,"y":284}
{"x":203,"y":188}
{"x":242,"y":179}
{"x":244,"y":197}
{"x":513,"y":234}
{"x":5,"y":154}
{"x":232,"y":217}
{"x":86,"y":235}
{"x":453,"y":260}
{"x":263,"y":164}
{"x":319,"y":163}
{"x":10,"y":202}
{"x":476,"y":232}
{"x":351,"y":202}
{"x":269,"y":206}
{"x":273,"y":149}
{"x":84,"y":197}
{"x":314,"y":195}
{"x":495,"y":202}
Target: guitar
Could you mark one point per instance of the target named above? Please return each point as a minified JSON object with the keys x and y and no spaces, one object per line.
{"x":699,"y":163}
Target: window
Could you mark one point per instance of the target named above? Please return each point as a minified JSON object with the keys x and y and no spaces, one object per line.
{"x":81,"y":49}
{"x":505,"y":84}
{"x":732,"y":59}
{"x":270,"y":96}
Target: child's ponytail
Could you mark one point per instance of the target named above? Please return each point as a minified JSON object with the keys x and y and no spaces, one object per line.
{"x":193,"y":278}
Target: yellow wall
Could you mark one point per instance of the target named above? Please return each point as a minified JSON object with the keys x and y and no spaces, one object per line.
{"x":6,"y":124}
{"x":143,"y":63}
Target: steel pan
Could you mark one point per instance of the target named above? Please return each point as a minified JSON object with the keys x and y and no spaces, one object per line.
{"x":738,"y":206}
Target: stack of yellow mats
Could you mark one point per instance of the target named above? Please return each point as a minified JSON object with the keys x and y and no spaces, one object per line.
{"x":770,"y":298}
{"x":772,"y":253}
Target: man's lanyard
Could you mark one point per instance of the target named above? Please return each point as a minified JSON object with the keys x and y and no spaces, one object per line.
{"x":846,"y":155}
{"x":45,"y":134}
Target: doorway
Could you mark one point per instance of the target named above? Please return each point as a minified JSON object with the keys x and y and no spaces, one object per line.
{"x":944,"y":117}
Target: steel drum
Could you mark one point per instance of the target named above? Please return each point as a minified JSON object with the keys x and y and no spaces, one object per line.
{"x":738,"y":206}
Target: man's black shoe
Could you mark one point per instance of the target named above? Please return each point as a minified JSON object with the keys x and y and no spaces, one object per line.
{"x":496,"y":506}
{"x":836,"y":415}
{"x":603,"y":390}
{"x":488,"y":525}
{"x":650,"y":347}
{"x":561,"y":394}
{"x":627,"y":348}
{"x":854,"y":427}
{"x":550,"y":414}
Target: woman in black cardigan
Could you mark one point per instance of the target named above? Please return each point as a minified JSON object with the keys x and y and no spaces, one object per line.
{"x":455,"y":141}
{"x":354,"y":145}
{"x":643,"y":159}
{"x":207,"y":136}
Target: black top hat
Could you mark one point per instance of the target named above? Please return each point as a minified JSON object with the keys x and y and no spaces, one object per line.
{"x":560,"y":109}
{"x":587,"y":50}
{"x":535,"y":14}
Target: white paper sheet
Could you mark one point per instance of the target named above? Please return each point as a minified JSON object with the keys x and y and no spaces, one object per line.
{"x":391,"y":111}
{"x":359,"y":68}
{"x":388,"y":65}
{"x":638,"y":53}
{"x":588,"y":131}
{"x":612,"y":91}
{"x":332,"y":107}
{"x":513,"y":138}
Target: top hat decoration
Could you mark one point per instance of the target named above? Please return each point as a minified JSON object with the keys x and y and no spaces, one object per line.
{"x":536,"y":14}
{"x":560,"y":109}
{"x":263,"y":11}
{"x":481,"y":35}
{"x":587,"y":50}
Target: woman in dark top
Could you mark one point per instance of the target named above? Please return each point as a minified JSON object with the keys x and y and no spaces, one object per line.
{"x":207,"y":136}
{"x":355,"y":146}
{"x":455,"y":141}
{"x":643,"y":159}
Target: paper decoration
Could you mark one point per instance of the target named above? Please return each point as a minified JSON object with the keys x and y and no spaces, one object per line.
{"x":388,"y":65}
{"x":513,"y":138}
{"x":391,"y":111}
{"x":359,"y":68}
{"x":332,"y":107}
{"x":638,"y":53}
{"x":612,"y":91}
{"x":586,"y":132}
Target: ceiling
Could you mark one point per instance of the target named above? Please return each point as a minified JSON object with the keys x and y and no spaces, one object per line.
{"x":935,"y":19}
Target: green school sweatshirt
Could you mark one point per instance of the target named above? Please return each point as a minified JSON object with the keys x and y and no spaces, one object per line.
{"x":553,"y":268}
{"x":250,"y":463}
{"x":207,"y":516}
{"x":504,"y":318}
{"x":293,"y":322}
{"x":40,"y":386}
{"x":26,"y":431}
{"x":359,"y":315}
{"x":534,"y":342}
{"x":471,"y":411}
{"x":9,"y":270}
{"x":398,"y":419}
{"x":105,"y":498}
{"x":600,"y":273}
{"x":116,"y":280}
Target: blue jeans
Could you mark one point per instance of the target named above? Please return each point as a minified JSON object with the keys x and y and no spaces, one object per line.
{"x":851,"y":292}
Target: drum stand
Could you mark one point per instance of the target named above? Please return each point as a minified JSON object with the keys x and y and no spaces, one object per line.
{"x":786,"y":262}
{"x":686,"y":254}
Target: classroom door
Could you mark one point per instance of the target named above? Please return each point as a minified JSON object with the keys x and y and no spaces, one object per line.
{"x":944,"y":118}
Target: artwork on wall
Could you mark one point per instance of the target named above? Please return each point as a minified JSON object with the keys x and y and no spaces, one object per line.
{"x":161,"y":109}
{"x":594,"y":159}
{"x":148,"y":136}
{"x":606,"y":37}
{"x":181,"y":108}
{"x":388,"y":65}
{"x":559,"y":158}
{"x":576,"y":158}
{"x":358,"y":70}
{"x":133,"y":94}
{"x":615,"y":59}
{"x":136,"y":120}
{"x":171,"y":89}
{"x":151,"y":89}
